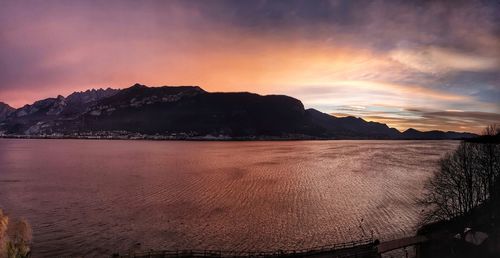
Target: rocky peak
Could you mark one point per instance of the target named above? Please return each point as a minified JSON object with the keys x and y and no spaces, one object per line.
{"x":84,"y":97}
{"x":138,"y":85}
{"x":5,"y":110}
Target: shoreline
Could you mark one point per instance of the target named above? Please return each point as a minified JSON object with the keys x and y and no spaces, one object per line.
{"x":207,"y":138}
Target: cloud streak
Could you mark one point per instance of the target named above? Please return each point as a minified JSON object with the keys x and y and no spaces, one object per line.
{"x":441,"y":60}
{"x":442,"y":120}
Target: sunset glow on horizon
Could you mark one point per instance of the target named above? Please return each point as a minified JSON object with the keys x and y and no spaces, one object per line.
{"x":432,"y":65}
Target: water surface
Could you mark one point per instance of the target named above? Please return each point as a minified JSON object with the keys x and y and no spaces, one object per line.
{"x":91,"y":197}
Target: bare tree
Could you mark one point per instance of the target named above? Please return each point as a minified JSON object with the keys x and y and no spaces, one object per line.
{"x":491,"y":130}
{"x":467,"y":178}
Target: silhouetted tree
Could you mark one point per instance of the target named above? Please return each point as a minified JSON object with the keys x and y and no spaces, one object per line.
{"x":492,"y":130}
{"x":490,"y":161}
{"x":467,"y":178}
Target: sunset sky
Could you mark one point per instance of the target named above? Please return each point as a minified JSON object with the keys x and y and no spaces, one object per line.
{"x":421,"y":64}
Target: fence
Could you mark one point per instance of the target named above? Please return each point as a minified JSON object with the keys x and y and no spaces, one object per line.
{"x":359,"y":248}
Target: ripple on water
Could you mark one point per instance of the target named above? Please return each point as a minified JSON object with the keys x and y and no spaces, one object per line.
{"x":97,"y":197}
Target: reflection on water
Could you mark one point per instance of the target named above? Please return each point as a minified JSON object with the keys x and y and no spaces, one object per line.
{"x":87,"y":197}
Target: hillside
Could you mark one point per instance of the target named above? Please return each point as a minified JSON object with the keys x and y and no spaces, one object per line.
{"x":193,"y":112}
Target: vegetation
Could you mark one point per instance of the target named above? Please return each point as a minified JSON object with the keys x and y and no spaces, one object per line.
{"x":15,"y":238}
{"x":468,"y":178}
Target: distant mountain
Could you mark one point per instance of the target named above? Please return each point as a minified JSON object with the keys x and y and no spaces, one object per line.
{"x":191,"y":112}
{"x":44,"y":115}
{"x":5,"y":110}
{"x":351,"y":127}
{"x":78,"y":102}
{"x":434,"y":135}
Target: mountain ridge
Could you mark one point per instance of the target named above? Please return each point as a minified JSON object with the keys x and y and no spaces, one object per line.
{"x":5,"y":110}
{"x":189,"y":112}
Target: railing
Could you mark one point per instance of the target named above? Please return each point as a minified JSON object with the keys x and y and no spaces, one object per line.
{"x":400,"y":243}
{"x":349,"y":249}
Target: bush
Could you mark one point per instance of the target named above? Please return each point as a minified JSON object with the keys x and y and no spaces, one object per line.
{"x":15,"y":238}
{"x":4,"y":221}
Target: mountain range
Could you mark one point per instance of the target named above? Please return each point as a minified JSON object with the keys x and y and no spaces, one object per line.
{"x":185,"y":112}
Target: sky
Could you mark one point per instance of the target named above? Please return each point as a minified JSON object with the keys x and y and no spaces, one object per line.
{"x":429,"y":65}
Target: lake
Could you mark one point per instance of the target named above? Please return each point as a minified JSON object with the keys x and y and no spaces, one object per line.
{"x":97,"y":197}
